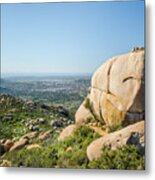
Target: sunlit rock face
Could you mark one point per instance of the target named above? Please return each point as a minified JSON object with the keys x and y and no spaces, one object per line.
{"x":130,"y":135}
{"x":116,"y":94}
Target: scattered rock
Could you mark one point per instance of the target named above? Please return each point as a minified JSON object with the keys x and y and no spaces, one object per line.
{"x":43,"y":106}
{"x":45,"y":135}
{"x":29,"y":136}
{"x":68,"y":131}
{"x":41,"y":120}
{"x":62,"y":111}
{"x":33,"y":127}
{"x":33,"y":146}
{"x":29,"y":103}
{"x":132,"y":134}
{"x":57,"y":124}
{"x":7,"y":118}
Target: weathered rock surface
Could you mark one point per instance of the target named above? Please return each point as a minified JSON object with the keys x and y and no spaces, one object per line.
{"x":132,"y":134}
{"x":19,"y":144}
{"x":45,"y":135}
{"x":5,"y":145}
{"x":117,"y":91}
{"x":8,"y":144}
{"x":33,"y":146}
{"x":29,"y":136}
{"x":116,"y":96}
{"x":68,"y":131}
{"x":82,"y":115}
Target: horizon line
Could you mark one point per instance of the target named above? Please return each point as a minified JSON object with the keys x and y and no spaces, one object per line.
{"x":39,"y":74}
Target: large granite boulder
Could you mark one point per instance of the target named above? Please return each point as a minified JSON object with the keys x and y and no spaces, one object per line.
{"x":117,"y":91}
{"x":131,"y":135}
{"x":116,"y":96}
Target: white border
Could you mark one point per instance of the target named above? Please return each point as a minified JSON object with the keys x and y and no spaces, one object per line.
{"x":41,"y":174}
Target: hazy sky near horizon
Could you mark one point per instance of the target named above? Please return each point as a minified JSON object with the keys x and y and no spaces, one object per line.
{"x":68,"y":37}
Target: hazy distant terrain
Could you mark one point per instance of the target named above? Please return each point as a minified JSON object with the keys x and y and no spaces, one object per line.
{"x":68,"y":91}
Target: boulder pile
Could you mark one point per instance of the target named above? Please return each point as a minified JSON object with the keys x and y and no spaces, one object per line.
{"x":115,"y":98}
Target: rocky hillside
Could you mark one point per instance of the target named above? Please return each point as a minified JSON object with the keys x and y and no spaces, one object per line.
{"x":115,"y":100}
{"x":19,"y":118}
{"x":108,"y":132}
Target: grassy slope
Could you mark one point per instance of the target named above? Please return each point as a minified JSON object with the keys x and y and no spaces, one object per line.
{"x":18,"y":110}
{"x":70,"y":153}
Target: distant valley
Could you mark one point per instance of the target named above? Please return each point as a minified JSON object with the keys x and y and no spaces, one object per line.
{"x":68,"y":91}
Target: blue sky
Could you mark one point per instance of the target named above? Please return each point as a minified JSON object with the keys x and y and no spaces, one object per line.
{"x":68,"y":37}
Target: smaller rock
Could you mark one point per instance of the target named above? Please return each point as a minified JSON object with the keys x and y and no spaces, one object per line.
{"x":68,"y":131}
{"x":33,"y":146}
{"x":64,"y":119}
{"x":69,"y":122}
{"x":7,"y":118}
{"x":29,"y":103}
{"x":33,"y":127}
{"x":45,"y":135}
{"x":19,"y":144}
{"x":56,"y":115}
{"x":41,"y":120}
{"x":29,"y":136}
{"x":8,"y":144}
{"x":132,"y":134}
{"x":57,"y":124}
{"x":36,"y":128}
{"x":63,"y":111}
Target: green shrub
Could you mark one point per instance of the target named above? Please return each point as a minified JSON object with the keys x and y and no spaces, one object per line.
{"x":127,"y":158}
{"x":71,"y":153}
{"x":88,"y":104}
{"x":56,"y":154}
{"x":114,"y":128}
